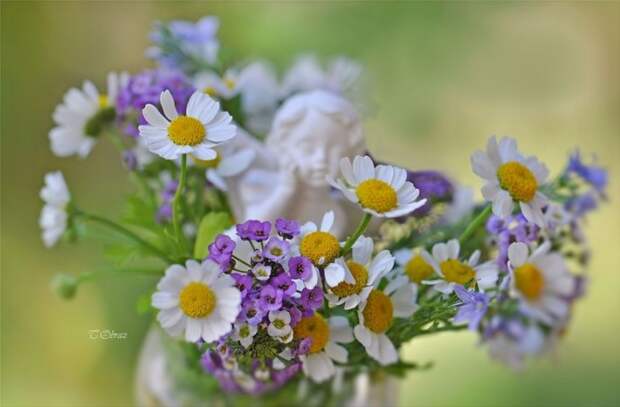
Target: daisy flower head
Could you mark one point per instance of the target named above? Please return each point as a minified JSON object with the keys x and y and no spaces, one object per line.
{"x":220,"y":87}
{"x":541,"y":280}
{"x":203,"y":127}
{"x":376,"y":315}
{"x":318,"y":243}
{"x":197,"y":301}
{"x":381,"y":191}
{"x":453,"y":271}
{"x":412,"y":264}
{"x":82,"y":116}
{"x":365,"y":270}
{"x":326,"y":337}
{"x":53,"y":219}
{"x":511,"y":178}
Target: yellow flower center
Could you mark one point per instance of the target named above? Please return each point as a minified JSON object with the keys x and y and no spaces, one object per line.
{"x":210,"y":90}
{"x":379,"y":312}
{"x":103,"y":101}
{"x":417,"y":269}
{"x":229,"y":83}
{"x":456,"y":272}
{"x":377,"y":195}
{"x":186,"y":131}
{"x":360,"y":274}
{"x":314,"y":327}
{"x":320,"y":247}
{"x":208,"y":164}
{"x":197,"y":300}
{"x":518,"y":180}
{"x":529,"y":281}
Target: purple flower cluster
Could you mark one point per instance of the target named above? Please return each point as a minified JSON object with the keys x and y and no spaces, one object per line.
{"x":146,"y":87}
{"x":506,"y":231}
{"x":593,"y":174}
{"x":434,"y":186}
{"x":276,"y":292}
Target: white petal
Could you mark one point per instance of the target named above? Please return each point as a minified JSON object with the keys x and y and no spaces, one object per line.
{"x":362,"y":250}
{"x":334,"y":274}
{"x":154,"y":118}
{"x":517,"y":254}
{"x":167,"y":104}
{"x":327,"y":222}
{"x":503,"y":204}
{"x":339,"y":330}
{"x":336,"y":352}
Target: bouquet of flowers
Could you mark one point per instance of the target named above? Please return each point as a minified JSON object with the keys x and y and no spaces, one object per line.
{"x":290,"y":261}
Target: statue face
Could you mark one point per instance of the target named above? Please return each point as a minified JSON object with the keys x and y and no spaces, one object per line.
{"x":316,"y":144}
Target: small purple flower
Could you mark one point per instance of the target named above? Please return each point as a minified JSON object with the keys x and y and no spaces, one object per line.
{"x":276,"y":249}
{"x":433,"y":185}
{"x":495,"y":224}
{"x":282,"y":376}
{"x":130,"y":160}
{"x":220,"y":251}
{"x":164,"y":213}
{"x":304,"y":346}
{"x":254,"y":230}
{"x":287,"y":228}
{"x":300,"y":268}
{"x":312,"y":299}
{"x":211,"y":361}
{"x":284,"y":282}
{"x":592,"y":174}
{"x":473,"y":307}
{"x":295,"y":314}
{"x":252,"y":312}
{"x":581,"y":204}
{"x":271,"y":298}
{"x":243,"y":282}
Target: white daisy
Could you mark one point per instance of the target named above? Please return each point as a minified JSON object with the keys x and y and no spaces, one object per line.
{"x":229,"y":162}
{"x":82,"y":116}
{"x":197,"y":301}
{"x":219,"y":87}
{"x":203,"y":127}
{"x":411,"y":264}
{"x":452,"y":271}
{"x":244,"y":333}
{"x":541,"y":280}
{"x":365,"y":270}
{"x":376,"y":315}
{"x":381,"y":191}
{"x":511,"y":178}
{"x":53,"y":219}
{"x":325,"y":339}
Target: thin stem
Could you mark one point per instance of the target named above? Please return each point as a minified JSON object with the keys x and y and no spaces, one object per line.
{"x":361,"y":228}
{"x":128,"y":233}
{"x":242,"y":261}
{"x":475,"y":224}
{"x":176,"y":222}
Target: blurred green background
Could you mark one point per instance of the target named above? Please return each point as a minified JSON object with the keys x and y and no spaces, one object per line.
{"x":445,"y":77}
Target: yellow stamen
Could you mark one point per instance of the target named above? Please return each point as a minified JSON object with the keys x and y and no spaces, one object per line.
{"x":320,"y":247}
{"x":314,"y":327}
{"x":360,"y":274}
{"x":186,"y":131}
{"x":229,"y":83}
{"x":207,"y":164}
{"x":518,"y":180}
{"x":456,"y":272}
{"x":529,"y":281}
{"x":210,"y":90}
{"x":197,"y":300}
{"x":379,"y":312}
{"x":417,"y":269}
{"x":377,"y":195}
{"x":103,"y":101}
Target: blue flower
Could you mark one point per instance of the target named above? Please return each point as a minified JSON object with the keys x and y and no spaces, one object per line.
{"x":473,"y":307}
{"x":592,"y":174}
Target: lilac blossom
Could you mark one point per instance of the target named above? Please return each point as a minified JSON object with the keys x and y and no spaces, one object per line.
{"x":271,"y":298}
{"x":243,"y":282}
{"x":300,"y":268}
{"x":312,"y":299}
{"x":276,"y":249}
{"x":287,"y":228}
{"x":473,"y":307}
{"x":284,"y":282}
{"x":221,"y":250}
{"x":254,"y":230}
{"x":252,"y":312}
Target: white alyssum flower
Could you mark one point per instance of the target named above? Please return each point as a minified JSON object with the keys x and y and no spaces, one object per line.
{"x":510,"y":177}
{"x":326,"y":338}
{"x":366,"y":271}
{"x":382,"y":191}
{"x":541,"y":280}
{"x":261,"y":271}
{"x":216,"y":86}
{"x":376,"y":315}
{"x":244,"y":333}
{"x":197,"y":301}
{"x":280,"y":325}
{"x":452,"y":271}
{"x":81,"y":116}
{"x":203,"y":127}
{"x":53,"y":219}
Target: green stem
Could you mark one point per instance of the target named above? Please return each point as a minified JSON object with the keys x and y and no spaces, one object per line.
{"x":361,"y":228}
{"x":475,"y":224}
{"x":128,"y":233}
{"x":176,"y":222}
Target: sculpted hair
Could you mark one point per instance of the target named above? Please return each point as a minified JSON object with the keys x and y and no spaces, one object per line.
{"x":330,"y":104}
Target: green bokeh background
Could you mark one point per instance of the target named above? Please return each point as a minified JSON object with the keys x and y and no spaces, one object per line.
{"x":445,"y":77}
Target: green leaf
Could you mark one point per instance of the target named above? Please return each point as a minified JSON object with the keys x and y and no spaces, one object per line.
{"x":211,"y":225}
